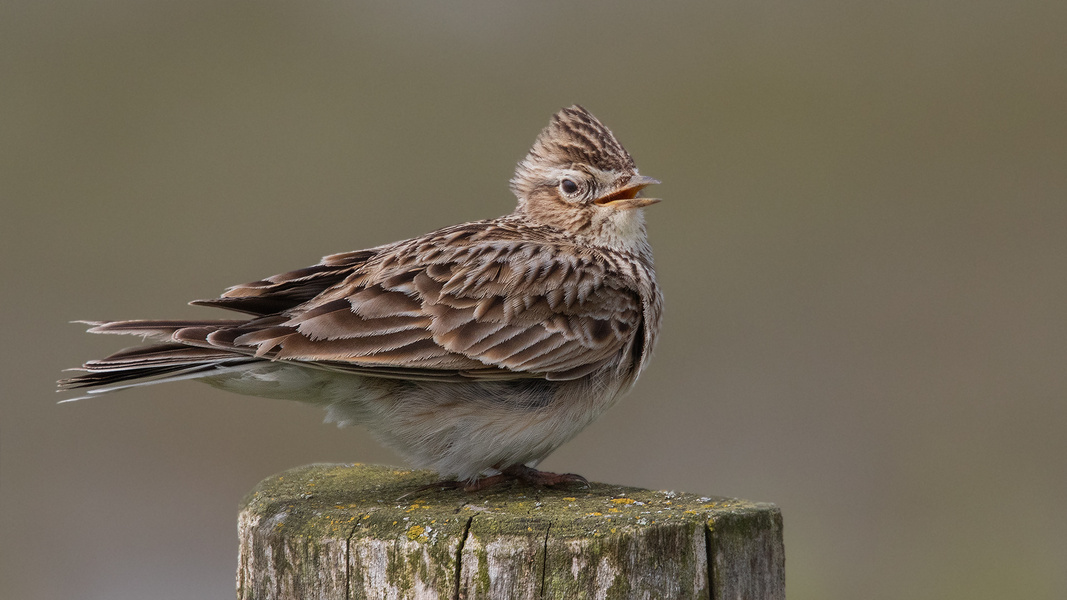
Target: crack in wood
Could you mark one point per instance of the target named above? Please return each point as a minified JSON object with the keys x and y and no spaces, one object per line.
{"x":459,"y":557}
{"x":544,"y":562}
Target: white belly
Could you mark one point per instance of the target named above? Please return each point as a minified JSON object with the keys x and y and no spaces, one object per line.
{"x":460,"y":430}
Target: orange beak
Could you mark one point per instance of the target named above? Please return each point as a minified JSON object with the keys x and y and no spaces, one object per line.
{"x":626,"y":197}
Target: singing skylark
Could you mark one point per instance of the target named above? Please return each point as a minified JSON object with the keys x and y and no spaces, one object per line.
{"x":474,"y":350}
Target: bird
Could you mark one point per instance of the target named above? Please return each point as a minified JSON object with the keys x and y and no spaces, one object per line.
{"x":474,"y":350}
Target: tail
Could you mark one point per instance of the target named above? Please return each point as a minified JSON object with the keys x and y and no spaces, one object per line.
{"x":155,"y":363}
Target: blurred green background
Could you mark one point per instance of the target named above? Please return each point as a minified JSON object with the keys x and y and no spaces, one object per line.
{"x":862,"y":246}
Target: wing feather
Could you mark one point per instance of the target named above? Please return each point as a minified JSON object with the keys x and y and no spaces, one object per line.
{"x":287,"y":290}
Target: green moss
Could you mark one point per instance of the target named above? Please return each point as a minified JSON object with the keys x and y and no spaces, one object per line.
{"x":482,"y":583}
{"x":620,"y":589}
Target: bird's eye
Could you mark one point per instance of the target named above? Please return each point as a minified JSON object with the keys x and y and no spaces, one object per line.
{"x":568,"y":186}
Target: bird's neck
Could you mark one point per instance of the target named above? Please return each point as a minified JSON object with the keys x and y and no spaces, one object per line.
{"x":616,"y":230}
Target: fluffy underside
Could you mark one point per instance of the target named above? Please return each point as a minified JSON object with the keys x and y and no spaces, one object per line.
{"x":460,"y":429}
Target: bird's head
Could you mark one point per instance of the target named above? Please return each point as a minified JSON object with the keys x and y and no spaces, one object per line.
{"x":578,"y":178}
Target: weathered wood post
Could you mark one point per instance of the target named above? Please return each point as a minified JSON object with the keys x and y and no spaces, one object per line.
{"x":346,"y":532}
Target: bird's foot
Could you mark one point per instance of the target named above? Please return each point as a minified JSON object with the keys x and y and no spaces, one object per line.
{"x":521,"y":473}
{"x":527,"y":475}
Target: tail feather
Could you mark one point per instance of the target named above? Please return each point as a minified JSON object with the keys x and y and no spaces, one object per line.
{"x":199,"y":348}
{"x":157,"y":355}
{"x":106,"y":382}
{"x":155,"y":329}
{"x":152,"y":361}
{"x":142,"y":374}
{"x":169,"y":360}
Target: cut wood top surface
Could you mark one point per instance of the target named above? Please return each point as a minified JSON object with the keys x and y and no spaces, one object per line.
{"x":331,"y":497}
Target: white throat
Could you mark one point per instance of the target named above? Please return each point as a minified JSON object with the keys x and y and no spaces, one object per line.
{"x":621,"y":230}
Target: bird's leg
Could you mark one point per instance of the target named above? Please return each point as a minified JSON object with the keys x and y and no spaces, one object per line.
{"x":527,"y":475}
{"x":532,"y":476}
{"x":466,"y":486}
{"x":486,"y":482}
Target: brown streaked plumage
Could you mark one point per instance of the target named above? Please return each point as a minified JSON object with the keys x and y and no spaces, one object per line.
{"x":475,"y":350}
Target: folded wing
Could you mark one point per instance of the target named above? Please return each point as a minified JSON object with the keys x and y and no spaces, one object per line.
{"x":465,"y":302}
{"x":458,"y":304}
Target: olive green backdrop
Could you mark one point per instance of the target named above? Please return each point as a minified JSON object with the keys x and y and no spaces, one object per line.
{"x":862,"y":245}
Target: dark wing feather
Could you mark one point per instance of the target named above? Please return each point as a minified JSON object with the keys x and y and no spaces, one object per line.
{"x":287,"y":290}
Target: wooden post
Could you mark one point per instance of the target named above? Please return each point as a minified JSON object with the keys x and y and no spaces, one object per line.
{"x":358,"y":531}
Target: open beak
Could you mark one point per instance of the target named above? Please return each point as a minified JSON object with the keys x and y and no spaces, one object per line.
{"x":626,"y":196}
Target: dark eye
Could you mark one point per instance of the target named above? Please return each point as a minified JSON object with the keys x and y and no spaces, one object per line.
{"x":567,"y":186}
